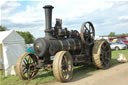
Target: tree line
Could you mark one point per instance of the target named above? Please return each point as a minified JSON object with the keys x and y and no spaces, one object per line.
{"x":112,"y":34}
{"x":28,"y":37}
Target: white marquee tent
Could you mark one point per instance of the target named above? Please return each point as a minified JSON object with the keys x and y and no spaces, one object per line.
{"x":12,"y":45}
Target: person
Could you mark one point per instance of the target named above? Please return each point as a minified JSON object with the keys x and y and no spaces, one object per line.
{"x":30,"y":49}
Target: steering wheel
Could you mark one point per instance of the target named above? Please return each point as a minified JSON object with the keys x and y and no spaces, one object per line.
{"x":87,"y":33}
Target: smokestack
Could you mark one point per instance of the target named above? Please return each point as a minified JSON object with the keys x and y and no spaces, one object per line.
{"x":48,"y":21}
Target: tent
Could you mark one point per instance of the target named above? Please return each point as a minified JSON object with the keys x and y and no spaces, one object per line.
{"x":12,"y":45}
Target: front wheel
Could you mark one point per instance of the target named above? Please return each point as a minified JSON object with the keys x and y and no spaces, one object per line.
{"x":26,"y":66}
{"x":63,"y":66}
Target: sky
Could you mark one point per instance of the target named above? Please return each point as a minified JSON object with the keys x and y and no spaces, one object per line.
{"x":28,"y":15}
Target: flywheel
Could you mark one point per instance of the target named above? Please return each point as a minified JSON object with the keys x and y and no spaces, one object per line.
{"x":87,"y":33}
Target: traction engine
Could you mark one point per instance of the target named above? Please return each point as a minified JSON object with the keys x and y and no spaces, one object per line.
{"x":61,"y":49}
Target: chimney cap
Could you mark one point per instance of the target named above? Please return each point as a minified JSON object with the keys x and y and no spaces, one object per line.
{"x":48,"y":6}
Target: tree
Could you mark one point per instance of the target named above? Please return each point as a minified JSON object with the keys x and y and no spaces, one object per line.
{"x":28,"y":37}
{"x":123,"y":34}
{"x":2,"y":28}
{"x":111,"y":34}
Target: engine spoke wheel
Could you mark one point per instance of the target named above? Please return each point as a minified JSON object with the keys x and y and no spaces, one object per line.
{"x":102,"y":54}
{"x":63,"y":66}
{"x":87,"y":33}
{"x":26,"y":66}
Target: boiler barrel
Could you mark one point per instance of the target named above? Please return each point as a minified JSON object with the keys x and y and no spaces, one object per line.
{"x":43,"y":46}
{"x":70,"y":44}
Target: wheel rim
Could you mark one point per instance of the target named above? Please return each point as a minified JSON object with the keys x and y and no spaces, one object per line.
{"x":87,"y":33}
{"x":104,"y":55}
{"x":27,"y":66}
{"x":62,"y":66}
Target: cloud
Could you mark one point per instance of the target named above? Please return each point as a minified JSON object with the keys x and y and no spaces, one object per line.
{"x":106,"y":16}
{"x":29,"y":15}
{"x":31,"y":19}
{"x":123,"y":17}
{"x":2,"y":2}
{"x":9,"y":6}
{"x":76,"y":8}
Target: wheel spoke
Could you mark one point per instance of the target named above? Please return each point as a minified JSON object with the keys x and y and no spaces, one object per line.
{"x":86,"y":28}
{"x":90,"y":28}
{"x":25,"y":62}
{"x":25,"y":70}
{"x":65,"y":59}
{"x":29,"y":60}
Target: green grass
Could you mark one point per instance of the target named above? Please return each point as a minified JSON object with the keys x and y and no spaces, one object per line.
{"x":79,"y":73}
{"x":14,"y":80}
{"x":115,"y":54}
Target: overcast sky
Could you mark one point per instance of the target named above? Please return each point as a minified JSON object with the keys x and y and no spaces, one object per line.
{"x":106,"y":15}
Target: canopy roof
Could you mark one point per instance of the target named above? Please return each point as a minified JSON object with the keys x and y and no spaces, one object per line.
{"x":10,"y":37}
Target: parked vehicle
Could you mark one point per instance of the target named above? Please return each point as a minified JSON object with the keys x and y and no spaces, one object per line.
{"x":117,"y":46}
{"x":123,"y":42}
{"x":126,"y":42}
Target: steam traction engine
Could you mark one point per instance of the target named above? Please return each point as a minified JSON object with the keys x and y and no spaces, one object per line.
{"x":68,"y":48}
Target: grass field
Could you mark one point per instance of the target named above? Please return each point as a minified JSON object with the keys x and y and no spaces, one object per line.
{"x":79,"y":72}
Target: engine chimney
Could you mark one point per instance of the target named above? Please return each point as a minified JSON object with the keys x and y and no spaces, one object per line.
{"x":48,"y":21}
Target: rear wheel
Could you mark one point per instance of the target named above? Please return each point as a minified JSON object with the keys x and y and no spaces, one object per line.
{"x":63,"y":66}
{"x":102,"y":54}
